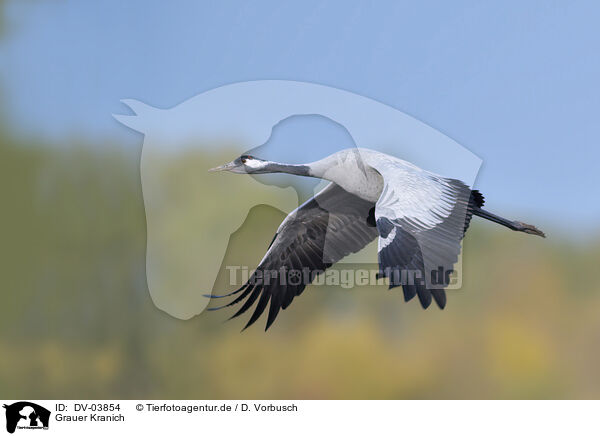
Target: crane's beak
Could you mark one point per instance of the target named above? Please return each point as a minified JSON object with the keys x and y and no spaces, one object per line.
{"x":227,"y":167}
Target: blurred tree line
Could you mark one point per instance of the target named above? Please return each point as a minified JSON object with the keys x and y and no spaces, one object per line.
{"x":77,"y":320}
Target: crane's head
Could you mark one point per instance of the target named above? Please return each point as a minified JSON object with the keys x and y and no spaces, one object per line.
{"x":246,"y":164}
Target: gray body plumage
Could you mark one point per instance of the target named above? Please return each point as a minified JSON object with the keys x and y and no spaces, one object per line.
{"x":419,"y":217}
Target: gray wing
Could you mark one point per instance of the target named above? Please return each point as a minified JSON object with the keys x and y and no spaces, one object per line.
{"x":421,"y":219}
{"x":328,"y":227}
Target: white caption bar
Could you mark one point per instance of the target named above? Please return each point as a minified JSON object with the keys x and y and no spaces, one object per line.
{"x":299,"y":417}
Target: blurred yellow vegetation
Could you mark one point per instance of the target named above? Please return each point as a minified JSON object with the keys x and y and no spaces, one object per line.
{"x":78,"y":322}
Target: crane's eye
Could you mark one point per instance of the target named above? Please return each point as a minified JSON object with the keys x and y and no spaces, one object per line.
{"x":245,"y":157}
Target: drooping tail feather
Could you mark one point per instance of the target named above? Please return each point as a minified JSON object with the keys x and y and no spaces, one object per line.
{"x":517,"y":226}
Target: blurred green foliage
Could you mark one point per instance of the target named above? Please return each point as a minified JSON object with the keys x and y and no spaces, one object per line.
{"x":77,"y":320}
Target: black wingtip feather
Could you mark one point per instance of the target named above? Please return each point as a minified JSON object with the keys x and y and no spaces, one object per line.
{"x":409,"y":292}
{"x":424,"y":297}
{"x":231,"y":303}
{"x":439,"y":295}
{"x":249,"y":302}
{"x":273,"y":309}
{"x":260,"y":308}
{"x":227,"y":295}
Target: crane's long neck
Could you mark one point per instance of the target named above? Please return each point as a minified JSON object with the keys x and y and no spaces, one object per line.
{"x":276,"y":167}
{"x":319,"y":169}
{"x":327,"y":169}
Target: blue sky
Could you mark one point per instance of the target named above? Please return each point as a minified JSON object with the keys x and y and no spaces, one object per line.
{"x":517,"y":83}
